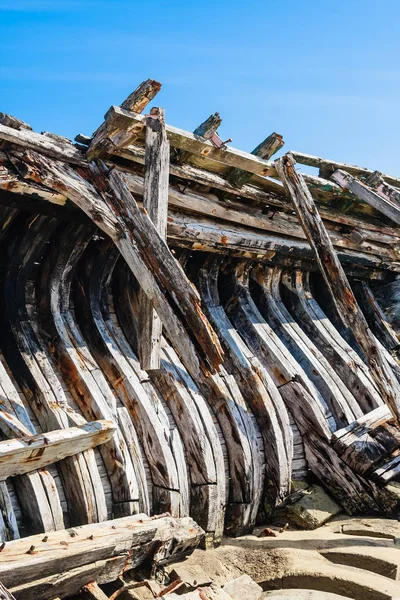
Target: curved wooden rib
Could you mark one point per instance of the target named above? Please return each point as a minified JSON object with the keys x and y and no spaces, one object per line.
{"x":187,"y":405}
{"x":255,"y":385}
{"x":341,"y":356}
{"x":85,"y":380}
{"x":337,"y":397}
{"x":79,"y":473}
{"x":36,"y":492}
{"x":144,"y":405}
{"x":380,"y":326}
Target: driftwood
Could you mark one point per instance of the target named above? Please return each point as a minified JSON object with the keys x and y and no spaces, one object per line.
{"x":338,"y":284}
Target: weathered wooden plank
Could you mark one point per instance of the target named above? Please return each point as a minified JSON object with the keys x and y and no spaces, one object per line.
{"x":383,"y":204}
{"x":378,"y":183}
{"x":22,"y":455}
{"x":328,"y":167}
{"x":155,"y":201}
{"x":41,"y":143}
{"x":63,"y":563}
{"x":338,"y":284}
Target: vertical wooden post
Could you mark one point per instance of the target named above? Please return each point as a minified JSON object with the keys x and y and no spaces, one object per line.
{"x":155,"y":200}
{"x":337,"y":282}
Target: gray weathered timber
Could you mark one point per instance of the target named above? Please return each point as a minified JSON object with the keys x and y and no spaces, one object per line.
{"x":62,"y":565}
{"x":338,"y":284}
{"x":41,"y":143}
{"x":155,"y":201}
{"x":327,"y":167}
{"x":23,"y":455}
{"x":380,"y":202}
{"x":267,"y":148}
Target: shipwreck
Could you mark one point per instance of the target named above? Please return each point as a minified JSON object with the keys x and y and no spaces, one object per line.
{"x":185,"y":329}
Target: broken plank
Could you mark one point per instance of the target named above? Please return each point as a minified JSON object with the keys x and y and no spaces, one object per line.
{"x":155,"y":201}
{"x":381,"y":203}
{"x":205,"y":131}
{"x":337,"y":283}
{"x":144,"y":93}
{"x":23,"y":455}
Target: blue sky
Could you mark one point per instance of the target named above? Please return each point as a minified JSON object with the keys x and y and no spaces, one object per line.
{"x":323,"y":74}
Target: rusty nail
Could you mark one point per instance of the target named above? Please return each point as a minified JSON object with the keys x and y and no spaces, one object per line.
{"x":91,"y":537}
{"x":46,"y":537}
{"x":31,"y":549}
{"x":3,"y":545}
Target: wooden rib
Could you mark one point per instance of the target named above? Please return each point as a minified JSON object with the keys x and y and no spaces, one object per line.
{"x":32,"y":370}
{"x":343,"y":359}
{"x":375,"y":316}
{"x":338,"y":398}
{"x":155,"y":202}
{"x":86,"y":382}
{"x":183,"y":397}
{"x":353,"y":493}
{"x":382,"y":203}
{"x":338,"y":284}
{"x":23,"y":455}
{"x":256,"y":386}
{"x":143,"y":256}
{"x":116,"y":364}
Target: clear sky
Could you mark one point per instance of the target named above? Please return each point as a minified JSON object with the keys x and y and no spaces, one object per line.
{"x":323,"y":74}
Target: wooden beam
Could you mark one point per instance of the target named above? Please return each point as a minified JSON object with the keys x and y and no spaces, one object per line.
{"x":265,"y":150}
{"x":123,"y":126}
{"x":382,"y":203}
{"x":62,"y":562}
{"x":144,"y":93}
{"x":23,"y":455}
{"x":386,"y":190}
{"x":155,"y":201}
{"x":338,"y":284}
{"x":327,"y":167}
